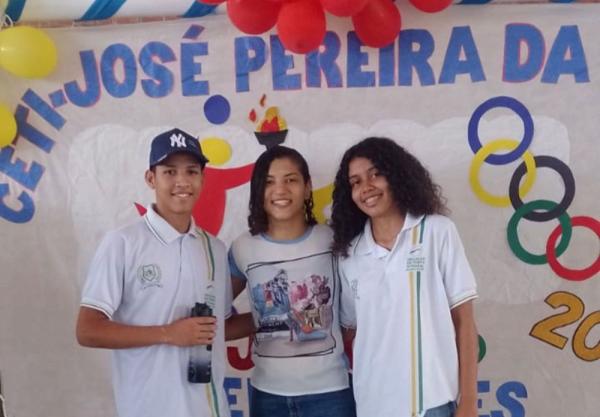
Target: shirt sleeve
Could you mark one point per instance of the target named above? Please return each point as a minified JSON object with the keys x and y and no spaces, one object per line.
{"x":222,"y":278}
{"x":235,"y":271}
{"x":458,"y":277}
{"x":103,"y":289}
{"x":347,"y":298}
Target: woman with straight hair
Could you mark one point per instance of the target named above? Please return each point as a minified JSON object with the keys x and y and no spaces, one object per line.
{"x":285,"y":261}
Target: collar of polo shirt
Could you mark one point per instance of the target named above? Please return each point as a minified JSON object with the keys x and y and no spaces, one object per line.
{"x":163,"y":230}
{"x":366,"y":243}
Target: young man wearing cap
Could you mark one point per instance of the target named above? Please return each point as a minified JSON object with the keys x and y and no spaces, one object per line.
{"x":142,"y":284}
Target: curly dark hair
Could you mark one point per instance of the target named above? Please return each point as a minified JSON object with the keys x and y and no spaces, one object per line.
{"x":258,"y":221}
{"x":410,"y":183}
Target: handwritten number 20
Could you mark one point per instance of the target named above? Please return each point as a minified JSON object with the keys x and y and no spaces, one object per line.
{"x":545,"y":330}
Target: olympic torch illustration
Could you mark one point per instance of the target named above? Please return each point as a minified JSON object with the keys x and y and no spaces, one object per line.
{"x":272,"y":129}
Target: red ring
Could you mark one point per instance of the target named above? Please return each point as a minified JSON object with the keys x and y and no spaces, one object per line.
{"x":566,"y":273}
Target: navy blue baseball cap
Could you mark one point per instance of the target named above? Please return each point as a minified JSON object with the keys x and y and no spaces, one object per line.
{"x":175,"y":141}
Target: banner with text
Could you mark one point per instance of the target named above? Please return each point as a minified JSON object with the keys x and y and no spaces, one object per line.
{"x":501,"y":108}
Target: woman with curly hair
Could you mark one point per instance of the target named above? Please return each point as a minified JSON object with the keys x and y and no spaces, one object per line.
{"x":285,"y":261}
{"x":407,"y":287}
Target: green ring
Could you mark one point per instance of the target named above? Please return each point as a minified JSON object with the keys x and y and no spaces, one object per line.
{"x":513,"y":238}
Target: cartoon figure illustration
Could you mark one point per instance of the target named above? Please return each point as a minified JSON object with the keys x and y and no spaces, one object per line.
{"x":271,"y":131}
{"x":216,"y":183}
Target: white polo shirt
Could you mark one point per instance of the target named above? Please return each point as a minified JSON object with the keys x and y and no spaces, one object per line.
{"x":405,"y":356}
{"x":294,"y":295}
{"x":150,"y":274}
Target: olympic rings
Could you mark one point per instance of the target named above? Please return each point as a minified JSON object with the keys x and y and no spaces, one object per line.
{"x":567,"y":176}
{"x":516,"y":191}
{"x":513,"y":238}
{"x":520,"y":110}
{"x":566,"y":273}
{"x":480,"y":157}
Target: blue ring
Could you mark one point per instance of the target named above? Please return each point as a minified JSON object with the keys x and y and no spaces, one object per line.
{"x":520,"y":110}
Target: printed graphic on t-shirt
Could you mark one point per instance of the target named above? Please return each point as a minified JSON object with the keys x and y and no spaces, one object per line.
{"x":293,"y":305}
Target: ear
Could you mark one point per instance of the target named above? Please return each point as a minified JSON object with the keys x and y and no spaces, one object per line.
{"x":150,"y":178}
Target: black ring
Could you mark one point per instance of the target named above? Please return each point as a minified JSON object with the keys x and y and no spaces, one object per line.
{"x":565,"y":173}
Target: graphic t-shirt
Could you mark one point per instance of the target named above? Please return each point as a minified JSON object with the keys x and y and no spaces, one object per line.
{"x":294,"y":297}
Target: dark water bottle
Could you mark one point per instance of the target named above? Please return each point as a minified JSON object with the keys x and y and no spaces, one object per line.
{"x":199,"y":366}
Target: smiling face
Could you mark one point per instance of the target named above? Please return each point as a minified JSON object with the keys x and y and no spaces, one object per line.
{"x":177,"y":183}
{"x":285,"y":193}
{"x":370,"y":190}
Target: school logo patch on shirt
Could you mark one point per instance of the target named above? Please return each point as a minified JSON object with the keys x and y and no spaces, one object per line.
{"x":415,"y":264}
{"x":149,"y":276}
{"x":415,"y":261}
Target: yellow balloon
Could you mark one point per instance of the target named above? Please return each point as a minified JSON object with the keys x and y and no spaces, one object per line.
{"x":217,"y":150}
{"x":27,"y":52}
{"x":8,"y":126}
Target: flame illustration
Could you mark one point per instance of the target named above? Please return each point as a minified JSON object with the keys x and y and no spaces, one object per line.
{"x":272,"y":121}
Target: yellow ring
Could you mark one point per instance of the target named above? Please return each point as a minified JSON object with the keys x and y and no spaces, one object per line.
{"x":478,"y":160}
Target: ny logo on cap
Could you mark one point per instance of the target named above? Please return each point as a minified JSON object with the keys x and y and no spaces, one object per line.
{"x":177,"y":139}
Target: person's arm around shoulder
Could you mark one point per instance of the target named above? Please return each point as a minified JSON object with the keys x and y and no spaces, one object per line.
{"x":237,"y":326}
{"x":467,"y":346}
{"x":95,"y":329}
{"x":348,"y":336}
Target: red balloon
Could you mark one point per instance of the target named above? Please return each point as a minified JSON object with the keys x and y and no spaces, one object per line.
{"x":301,"y":25}
{"x":344,"y":8}
{"x":378,"y":24}
{"x":211,"y":2}
{"x":253,"y":16}
{"x":431,"y":6}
